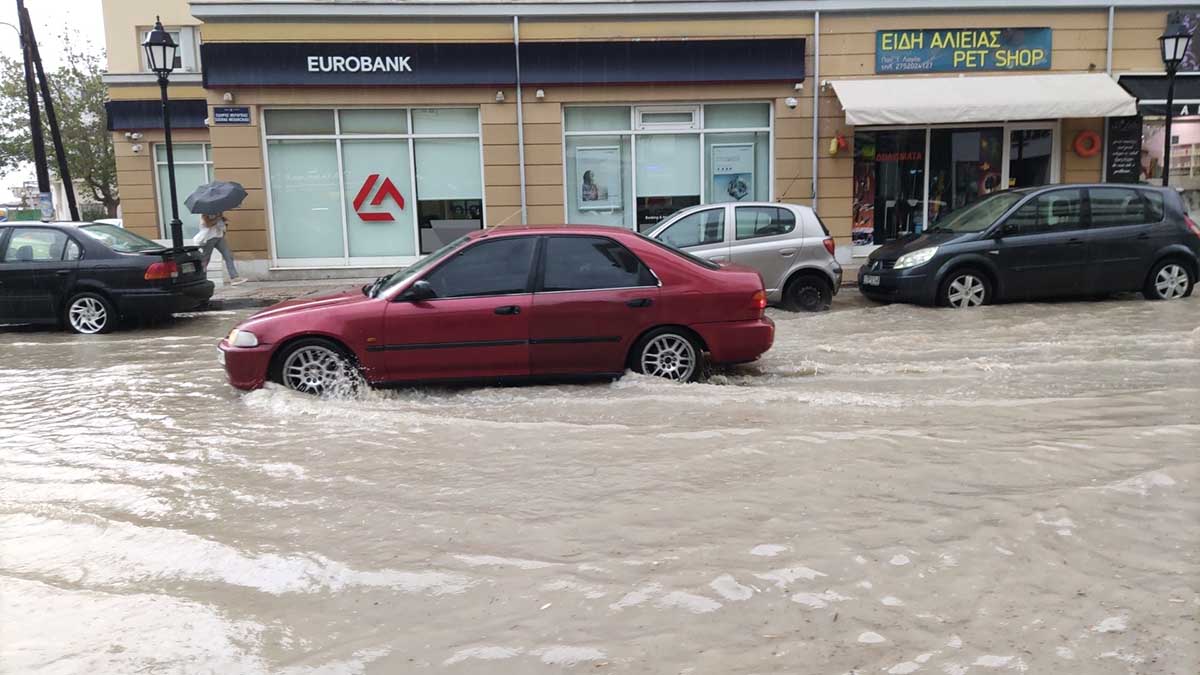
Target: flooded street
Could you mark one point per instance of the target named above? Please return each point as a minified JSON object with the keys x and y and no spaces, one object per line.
{"x":892,"y":489}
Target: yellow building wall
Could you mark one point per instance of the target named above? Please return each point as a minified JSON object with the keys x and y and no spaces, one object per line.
{"x":124,"y":20}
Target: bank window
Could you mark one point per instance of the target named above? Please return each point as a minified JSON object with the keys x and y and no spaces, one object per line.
{"x":193,"y":168}
{"x":498,"y":267}
{"x":633,"y":166}
{"x":696,"y":229}
{"x":763,"y":221}
{"x":187,"y":56}
{"x":586,"y":263}
{"x":371,"y":186}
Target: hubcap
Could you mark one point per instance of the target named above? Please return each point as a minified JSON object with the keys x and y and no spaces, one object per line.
{"x":87,"y":315}
{"x":1171,"y":282}
{"x":670,"y":356}
{"x":315,"y":370}
{"x":966,"y":291}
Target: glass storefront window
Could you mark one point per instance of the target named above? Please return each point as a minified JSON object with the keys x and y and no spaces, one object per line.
{"x":373,"y":121}
{"x":600,"y":186}
{"x":635,"y":178}
{"x":193,"y":168}
{"x":306,"y":199}
{"x":368,"y":190}
{"x":298,"y":122}
{"x":668,"y":176}
{"x":450,"y":190}
{"x":1031,"y":155}
{"x":889,"y":184}
{"x":964,"y":165}
{"x":1185,"y":157}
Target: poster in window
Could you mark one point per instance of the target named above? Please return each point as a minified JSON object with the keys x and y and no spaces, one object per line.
{"x":1191,"y":23}
{"x":598,"y":177}
{"x":732,"y":172}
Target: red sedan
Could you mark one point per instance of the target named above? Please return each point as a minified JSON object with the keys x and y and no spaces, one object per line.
{"x":511,"y":303}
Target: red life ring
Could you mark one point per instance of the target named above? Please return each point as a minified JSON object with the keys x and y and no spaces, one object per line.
{"x":1087,"y":143}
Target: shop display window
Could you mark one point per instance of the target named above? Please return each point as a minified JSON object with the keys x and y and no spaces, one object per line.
{"x":1185,"y":157}
{"x":632,"y":166}
{"x":371,"y":186}
{"x":193,"y":168}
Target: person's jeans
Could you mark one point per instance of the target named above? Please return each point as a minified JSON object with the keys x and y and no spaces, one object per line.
{"x":220,"y":244}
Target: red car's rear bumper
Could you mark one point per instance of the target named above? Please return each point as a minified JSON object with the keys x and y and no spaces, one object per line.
{"x":737,"y":341}
{"x":246,"y":367}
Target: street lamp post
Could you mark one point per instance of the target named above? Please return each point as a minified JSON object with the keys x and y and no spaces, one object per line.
{"x":1174,"y":45}
{"x":160,"y":54}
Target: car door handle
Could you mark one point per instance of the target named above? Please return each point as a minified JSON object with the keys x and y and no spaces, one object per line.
{"x":1074,"y":242}
{"x":508,"y":309}
{"x":787,"y":252}
{"x":719,"y":258}
{"x":62,"y":273}
{"x":1144,"y":235}
{"x":640,"y":302}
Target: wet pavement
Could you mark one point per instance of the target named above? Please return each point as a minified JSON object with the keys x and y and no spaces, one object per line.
{"x":892,"y":489}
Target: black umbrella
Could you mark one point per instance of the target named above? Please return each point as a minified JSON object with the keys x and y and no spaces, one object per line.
{"x":215,"y":197}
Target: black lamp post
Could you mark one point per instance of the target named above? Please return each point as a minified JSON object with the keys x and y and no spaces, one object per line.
{"x":160,"y":54}
{"x":1174,"y":44}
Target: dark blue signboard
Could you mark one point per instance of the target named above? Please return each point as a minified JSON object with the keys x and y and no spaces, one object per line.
{"x":231,"y":114}
{"x":962,"y":49}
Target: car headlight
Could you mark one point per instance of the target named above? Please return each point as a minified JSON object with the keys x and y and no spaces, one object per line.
{"x":242,"y":338}
{"x":918,"y":257}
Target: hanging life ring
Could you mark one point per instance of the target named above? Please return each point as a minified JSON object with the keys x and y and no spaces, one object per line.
{"x":1087,"y":144}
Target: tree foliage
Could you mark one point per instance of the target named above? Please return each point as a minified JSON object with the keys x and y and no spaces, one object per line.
{"x":79,"y":97}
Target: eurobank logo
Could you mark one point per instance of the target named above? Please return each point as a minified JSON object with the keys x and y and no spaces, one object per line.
{"x":386,"y":189}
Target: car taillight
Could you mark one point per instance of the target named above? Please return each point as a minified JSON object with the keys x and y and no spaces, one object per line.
{"x":1192,"y":226}
{"x":830,"y":245}
{"x":162,"y":270}
{"x":759,"y":300}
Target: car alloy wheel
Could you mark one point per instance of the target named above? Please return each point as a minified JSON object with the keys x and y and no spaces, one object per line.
{"x":966,"y":290}
{"x":87,"y":314}
{"x":316,"y":369}
{"x":1172,"y":282}
{"x":671,"y":356}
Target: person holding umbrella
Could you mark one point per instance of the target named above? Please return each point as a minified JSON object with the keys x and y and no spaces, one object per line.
{"x":211,"y":201}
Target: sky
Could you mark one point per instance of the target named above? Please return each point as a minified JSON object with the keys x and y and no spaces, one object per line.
{"x":49,"y":18}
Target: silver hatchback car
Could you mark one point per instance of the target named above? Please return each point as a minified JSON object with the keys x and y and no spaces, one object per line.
{"x":787,"y":243}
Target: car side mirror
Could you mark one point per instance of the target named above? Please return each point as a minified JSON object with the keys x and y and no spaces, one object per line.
{"x":1007,"y":230}
{"x":420,"y":290}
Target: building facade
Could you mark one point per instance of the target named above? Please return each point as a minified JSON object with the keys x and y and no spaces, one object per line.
{"x":368,"y":134}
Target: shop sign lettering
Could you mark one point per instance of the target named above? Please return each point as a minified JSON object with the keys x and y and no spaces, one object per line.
{"x":387,"y":189}
{"x":962,"y":49}
{"x":359,"y":64}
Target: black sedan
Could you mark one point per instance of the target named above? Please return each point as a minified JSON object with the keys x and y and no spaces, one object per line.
{"x":89,"y":276}
{"x":1056,"y":241}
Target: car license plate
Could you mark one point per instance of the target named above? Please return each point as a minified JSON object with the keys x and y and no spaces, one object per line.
{"x":870,"y":280}
{"x":220,"y":356}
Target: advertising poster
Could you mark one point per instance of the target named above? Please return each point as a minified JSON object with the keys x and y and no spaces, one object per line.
{"x":598,"y":177}
{"x":732,"y":172}
{"x":1190,"y":21}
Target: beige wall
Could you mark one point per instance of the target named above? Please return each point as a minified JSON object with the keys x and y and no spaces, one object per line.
{"x":125,"y":19}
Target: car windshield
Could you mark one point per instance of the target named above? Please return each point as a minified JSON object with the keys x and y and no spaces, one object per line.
{"x":979,"y":216}
{"x":387,"y":282}
{"x":119,"y":240}
{"x":680,"y":252}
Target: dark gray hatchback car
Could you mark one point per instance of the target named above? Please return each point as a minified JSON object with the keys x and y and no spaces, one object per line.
{"x":1050,"y":242}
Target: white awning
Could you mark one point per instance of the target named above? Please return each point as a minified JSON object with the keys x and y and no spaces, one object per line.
{"x":943,"y":100}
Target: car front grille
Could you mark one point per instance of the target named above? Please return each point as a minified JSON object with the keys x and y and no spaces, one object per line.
{"x":881,"y":265}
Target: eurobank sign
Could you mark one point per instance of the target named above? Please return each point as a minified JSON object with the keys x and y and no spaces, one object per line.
{"x":271,"y":64}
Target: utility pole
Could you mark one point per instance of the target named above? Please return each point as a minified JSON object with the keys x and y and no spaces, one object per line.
{"x":45,"y":200}
{"x":64,"y":172}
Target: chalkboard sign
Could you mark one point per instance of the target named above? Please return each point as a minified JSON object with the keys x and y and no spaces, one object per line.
{"x":231,"y":114}
{"x":1124,"y":163}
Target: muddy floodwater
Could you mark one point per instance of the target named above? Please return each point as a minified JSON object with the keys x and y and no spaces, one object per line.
{"x":891,"y":490}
